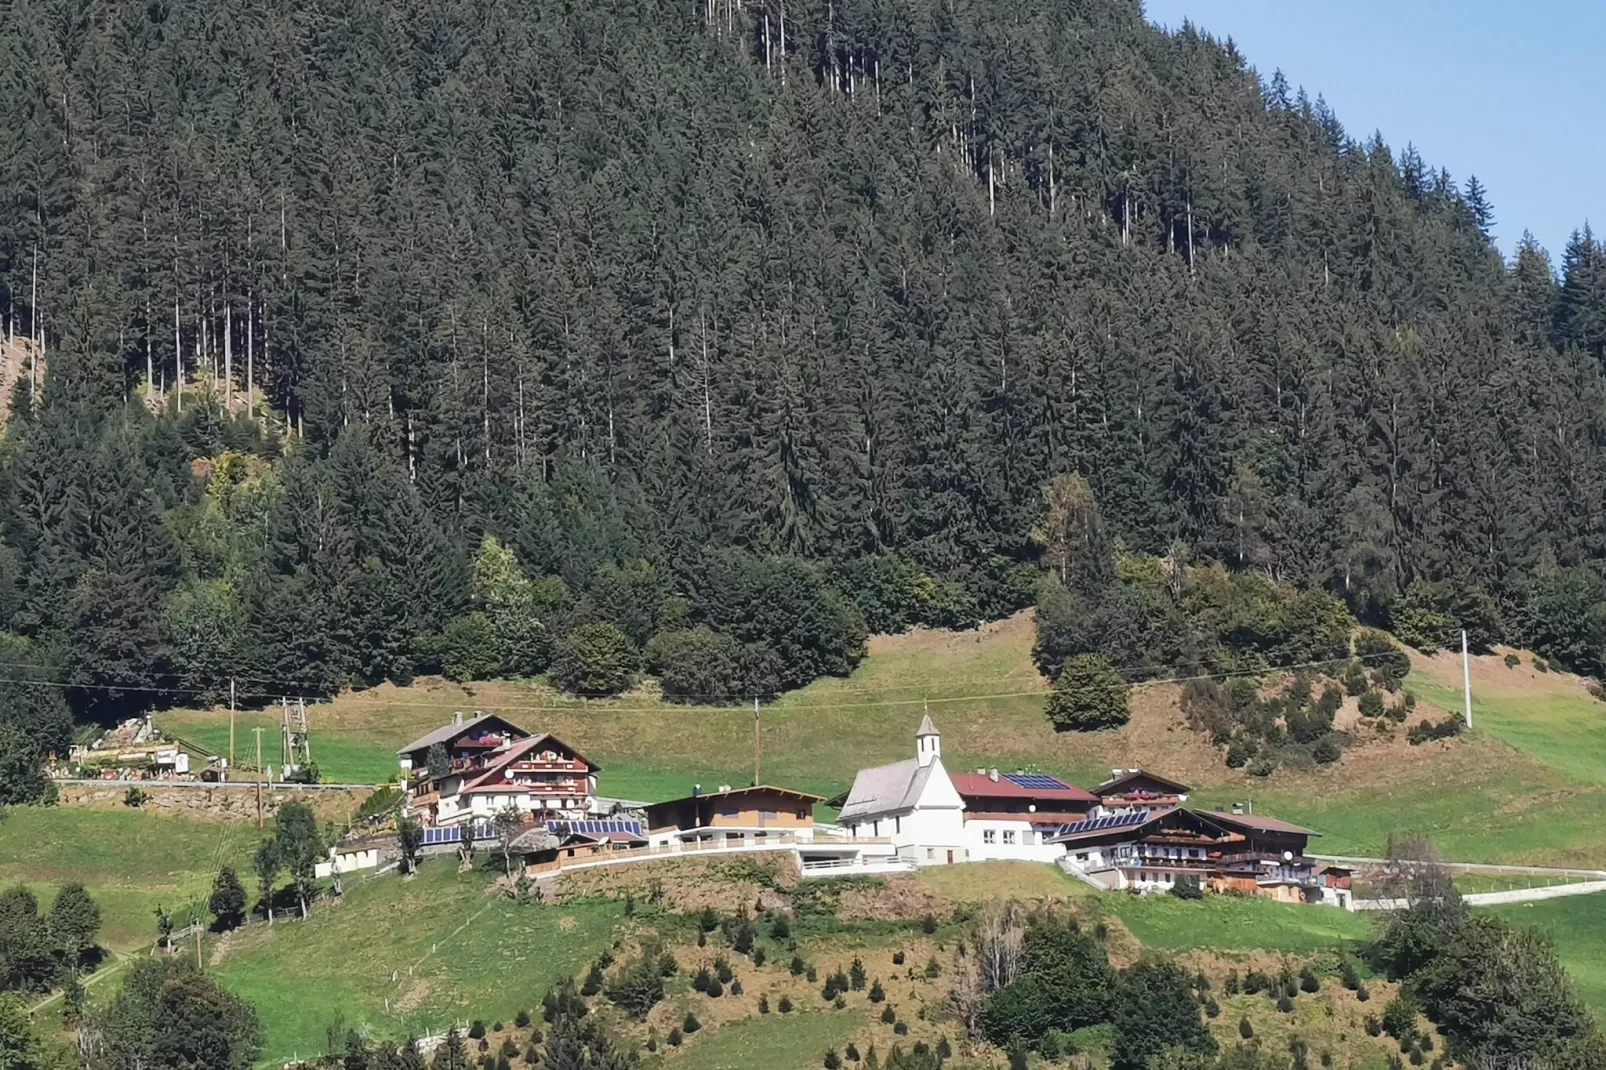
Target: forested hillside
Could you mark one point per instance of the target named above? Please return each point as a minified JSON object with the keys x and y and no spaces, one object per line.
{"x":744,"y":327}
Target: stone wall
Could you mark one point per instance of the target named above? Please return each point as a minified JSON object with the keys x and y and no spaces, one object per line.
{"x":216,"y":802}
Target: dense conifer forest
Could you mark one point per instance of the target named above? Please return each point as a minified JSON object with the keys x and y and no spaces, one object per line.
{"x":354,"y":340}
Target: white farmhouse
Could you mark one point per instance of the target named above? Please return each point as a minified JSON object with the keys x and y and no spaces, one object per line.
{"x":914,"y":802}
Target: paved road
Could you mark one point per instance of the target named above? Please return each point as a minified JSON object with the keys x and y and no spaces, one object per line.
{"x":1471,"y":867}
{"x":236,"y":785}
{"x":1490,"y":899}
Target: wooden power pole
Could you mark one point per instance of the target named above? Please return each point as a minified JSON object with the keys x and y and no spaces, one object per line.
{"x":230,"y":772}
{"x":758,"y":742}
{"x":258,"y":731}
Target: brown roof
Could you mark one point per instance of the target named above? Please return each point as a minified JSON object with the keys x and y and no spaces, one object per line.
{"x":1109,"y":787}
{"x":518,"y":750}
{"x":1255,"y":821}
{"x":447,"y":731}
{"x":730,"y":792}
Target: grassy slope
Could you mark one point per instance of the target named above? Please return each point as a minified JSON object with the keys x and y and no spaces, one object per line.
{"x":491,"y":958}
{"x":130,"y":861}
{"x":1230,"y":924}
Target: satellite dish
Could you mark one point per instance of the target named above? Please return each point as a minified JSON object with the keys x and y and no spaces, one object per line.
{"x":1288,"y":856}
{"x":507,"y":774}
{"x":1032,"y":808}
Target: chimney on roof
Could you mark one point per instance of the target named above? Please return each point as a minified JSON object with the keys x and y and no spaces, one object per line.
{"x":1134,"y":770}
{"x":724,"y":787}
{"x":992,"y":774}
{"x":1115,"y":774}
{"x":982,"y":771}
{"x":457,"y":718}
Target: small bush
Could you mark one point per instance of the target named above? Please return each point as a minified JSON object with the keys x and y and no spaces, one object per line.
{"x":763,"y":1004}
{"x":1187,"y":888}
{"x":736,"y":987}
{"x":784,"y":1006}
{"x":691,"y":1024}
{"x":1541,"y":665}
{"x":928,"y":924}
{"x":901,"y":1028}
{"x":888,"y":1015}
{"x":1371,"y":704}
{"x":897,"y":958}
{"x":1362,"y":993}
{"x":701,"y":979}
{"x":1262,"y":767}
{"x":1245,"y":1030}
{"x":1212,"y":1008}
{"x":1374,"y":1027}
{"x":1308,"y":981}
{"x":716,"y":988}
{"x":1285,"y":1004}
{"x":811,"y":975}
{"x":840,"y":1003}
{"x":877,"y":993}
{"x":933,"y":968}
{"x":852,"y":1052}
{"x":758,"y":956}
{"x":674,"y":1038}
{"x":856,"y":975}
{"x":780,"y":928}
{"x":1349,"y":976}
{"x":1512,"y":661}
{"x":798,"y":966}
{"x":702,"y":939}
{"x":522,"y":1019}
{"x":476,"y":1031}
{"x":722,"y":969}
{"x":833,"y":1061}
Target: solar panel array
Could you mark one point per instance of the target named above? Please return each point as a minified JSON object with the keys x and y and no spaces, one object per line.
{"x":1104,"y":824}
{"x":595,"y":826}
{"x":454,"y":834}
{"x":1036,"y":781}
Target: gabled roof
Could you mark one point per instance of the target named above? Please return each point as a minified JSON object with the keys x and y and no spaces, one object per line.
{"x":449,"y":731}
{"x":926,"y":727}
{"x":1256,"y":823}
{"x":514,"y":751}
{"x":1114,"y":785}
{"x":728,"y":793}
{"x":885,"y":789}
{"x":1007,"y":786}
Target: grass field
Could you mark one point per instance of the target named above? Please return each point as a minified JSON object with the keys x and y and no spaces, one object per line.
{"x":776,"y":1042}
{"x":131,"y":862}
{"x":1226,"y":923}
{"x":456,"y":953}
{"x":1578,"y":925}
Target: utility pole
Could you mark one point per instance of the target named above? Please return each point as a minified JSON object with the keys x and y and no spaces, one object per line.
{"x":758,"y":742}
{"x":1466,"y":677}
{"x":258,"y":731}
{"x":230,"y":771}
{"x":197,"y":923}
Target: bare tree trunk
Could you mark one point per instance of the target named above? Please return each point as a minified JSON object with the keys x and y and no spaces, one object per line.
{"x":178,"y":349}
{"x":228,"y":357}
{"x":250,"y":352}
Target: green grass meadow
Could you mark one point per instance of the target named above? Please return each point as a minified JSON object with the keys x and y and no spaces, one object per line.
{"x":775,"y":1042}
{"x":1230,"y":923}
{"x":404,"y":957}
{"x":130,"y":861}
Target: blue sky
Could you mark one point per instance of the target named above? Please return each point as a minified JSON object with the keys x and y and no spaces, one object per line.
{"x":1507,"y":91}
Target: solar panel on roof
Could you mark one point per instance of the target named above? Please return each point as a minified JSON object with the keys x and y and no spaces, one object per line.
{"x":1100,"y":824}
{"x":1036,"y":781}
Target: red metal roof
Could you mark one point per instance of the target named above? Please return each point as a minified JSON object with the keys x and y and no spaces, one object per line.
{"x":500,"y":759}
{"x":978,"y":785}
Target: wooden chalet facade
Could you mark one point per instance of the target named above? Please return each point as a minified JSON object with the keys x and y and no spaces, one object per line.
{"x":733,"y":816}
{"x":1141,"y":789}
{"x":1149,"y":850}
{"x":493,"y":765}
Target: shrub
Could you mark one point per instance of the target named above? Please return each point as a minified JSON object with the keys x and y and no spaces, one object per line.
{"x":1374,"y":1027}
{"x":797,"y":967}
{"x":736,"y":986}
{"x":758,"y":956}
{"x":901,"y":1028}
{"x":877,"y":993}
{"x":722,"y":969}
{"x":928,"y":924}
{"x":691,"y":1024}
{"x":764,"y":1004}
{"x":716,"y":988}
{"x":1326,"y":751}
{"x":595,"y":659}
{"x":701,"y":979}
{"x":1362,"y":993}
{"x":933,"y":968}
{"x":784,"y":1006}
{"x":1262,"y":767}
{"x":1285,"y":1004}
{"x":852,"y":1052}
{"x":833,"y":1061}
{"x":1256,"y":981}
{"x":1187,"y":888}
{"x":1212,"y":1008}
{"x":135,"y":797}
{"x":810,"y":974}
{"x":697,"y":665}
{"x":1424,"y":731}
{"x":1399,"y":1019}
{"x":1308,"y":981}
{"x":707,"y":920}
{"x":830,"y":991}
{"x":1089,"y":695}
{"x":780,"y":928}
{"x":888,"y":1015}
{"x":638,"y":986}
{"x":1349,"y":976}
{"x":593,"y":982}
{"x":674,"y":1038}
{"x":476,"y":1031}
{"x":897,"y":958}
{"x":1371,"y":704}
{"x":1245,"y":1030}
{"x":1512,"y":661}
{"x":1240,"y":752}
{"x":840,"y":1003}
{"x":1540,"y":664}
